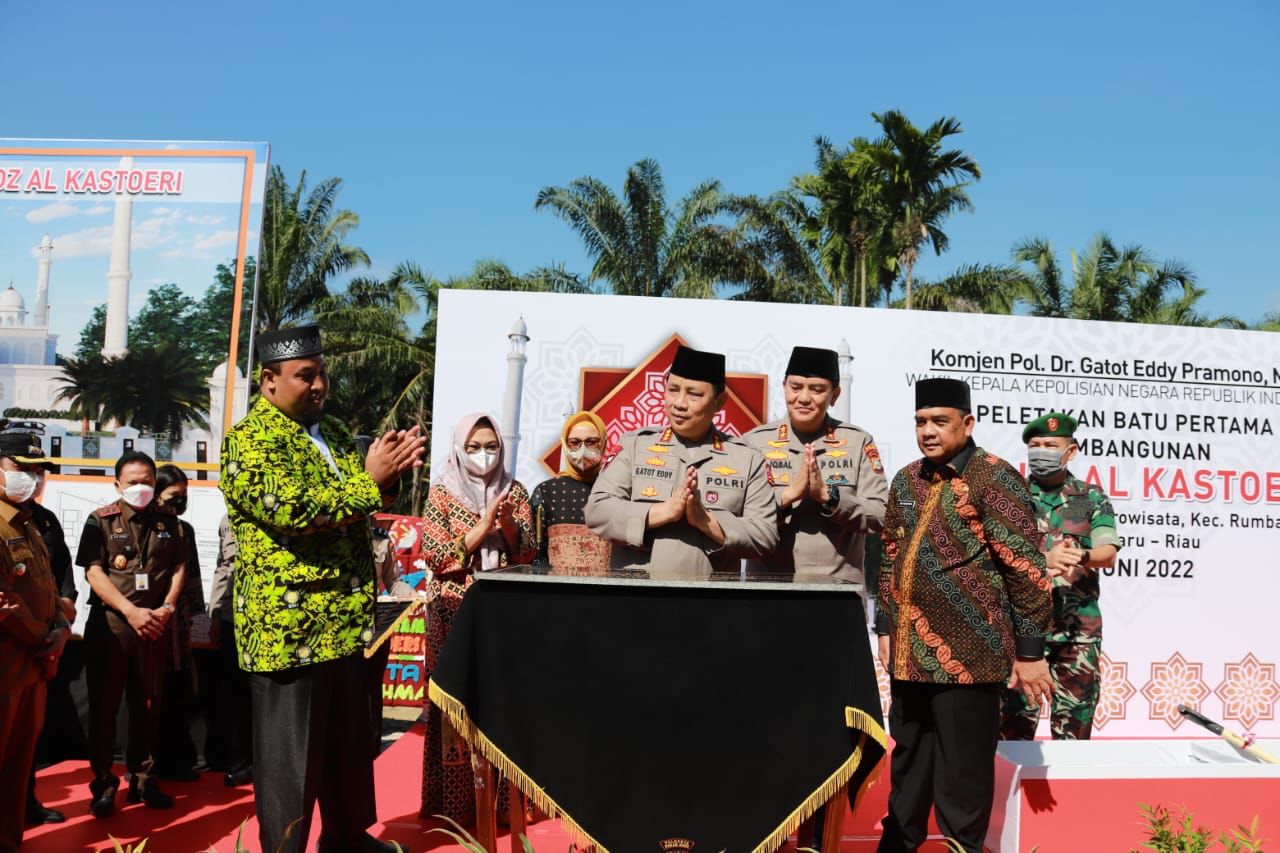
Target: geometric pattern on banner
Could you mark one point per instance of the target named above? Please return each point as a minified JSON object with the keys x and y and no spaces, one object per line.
{"x":1249,"y":691}
{"x":1117,"y":690}
{"x":1175,"y":682}
{"x":628,"y":400}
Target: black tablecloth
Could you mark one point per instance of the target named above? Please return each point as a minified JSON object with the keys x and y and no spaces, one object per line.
{"x":717,"y":718}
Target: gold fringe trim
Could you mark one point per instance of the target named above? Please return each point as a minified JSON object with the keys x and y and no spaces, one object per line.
{"x":867,"y":727}
{"x":854,"y":718}
{"x":461,"y":721}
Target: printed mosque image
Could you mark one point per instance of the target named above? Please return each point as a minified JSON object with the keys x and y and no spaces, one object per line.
{"x":30,"y":377}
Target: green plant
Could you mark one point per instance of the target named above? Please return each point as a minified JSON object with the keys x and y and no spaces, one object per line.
{"x":1170,"y":831}
{"x":469,"y":843}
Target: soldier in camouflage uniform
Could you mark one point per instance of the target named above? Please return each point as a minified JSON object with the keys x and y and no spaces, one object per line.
{"x":1079,"y":530}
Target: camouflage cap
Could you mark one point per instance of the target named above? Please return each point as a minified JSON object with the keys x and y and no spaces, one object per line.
{"x":1050,"y":423}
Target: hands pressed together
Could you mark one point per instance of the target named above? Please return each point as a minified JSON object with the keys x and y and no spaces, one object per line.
{"x":686,"y":503}
{"x":807,"y":482}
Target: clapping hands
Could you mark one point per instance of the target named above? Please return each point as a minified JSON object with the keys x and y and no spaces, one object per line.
{"x":394,"y":453}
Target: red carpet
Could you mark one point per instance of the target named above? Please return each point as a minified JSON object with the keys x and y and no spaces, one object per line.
{"x":207,"y":814}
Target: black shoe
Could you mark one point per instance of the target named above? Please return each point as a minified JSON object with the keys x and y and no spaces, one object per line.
{"x":103,"y":805}
{"x":236,"y":778}
{"x":38,"y":815}
{"x":362,"y":843}
{"x":150,"y":795}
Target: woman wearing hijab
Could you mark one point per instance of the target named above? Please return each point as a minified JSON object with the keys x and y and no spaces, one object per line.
{"x":564,"y":542}
{"x":477,"y":519}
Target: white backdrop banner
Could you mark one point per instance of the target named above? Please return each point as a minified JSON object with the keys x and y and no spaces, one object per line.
{"x":73,"y":500}
{"x":1178,"y":425}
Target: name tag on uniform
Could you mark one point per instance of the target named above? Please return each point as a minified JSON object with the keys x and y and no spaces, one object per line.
{"x":142,"y":582}
{"x":906,"y":503}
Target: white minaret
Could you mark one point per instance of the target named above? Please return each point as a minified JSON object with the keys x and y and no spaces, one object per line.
{"x":519,"y":337}
{"x":42,"y":282}
{"x":845,"y":403}
{"x":116,"y":342}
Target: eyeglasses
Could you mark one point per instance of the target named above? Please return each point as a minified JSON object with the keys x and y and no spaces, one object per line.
{"x":575,"y":443}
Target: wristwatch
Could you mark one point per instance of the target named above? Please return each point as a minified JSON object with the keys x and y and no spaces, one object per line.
{"x":833,"y":498}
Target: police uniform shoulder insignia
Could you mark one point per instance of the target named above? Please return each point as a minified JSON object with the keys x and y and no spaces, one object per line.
{"x":830,"y":439}
{"x":108,"y":511}
{"x":873,"y":453}
{"x":781,"y":440}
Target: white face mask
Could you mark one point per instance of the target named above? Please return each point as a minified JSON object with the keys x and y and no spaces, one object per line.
{"x":19,"y":486}
{"x":481,"y":462}
{"x":138,"y":495}
{"x":583,"y":457}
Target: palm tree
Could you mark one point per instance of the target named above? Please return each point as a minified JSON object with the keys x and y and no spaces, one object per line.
{"x":978,"y":288}
{"x":779,"y":237}
{"x":84,"y":386}
{"x":1050,"y":296}
{"x":1270,"y":322}
{"x":1111,"y":282}
{"x":640,"y":246}
{"x":302,"y":247}
{"x":157,"y":390}
{"x":920,"y":184}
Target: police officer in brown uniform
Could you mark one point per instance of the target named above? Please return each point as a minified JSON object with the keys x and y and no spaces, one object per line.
{"x":134,"y":555}
{"x":826,"y":474}
{"x":33,"y":630}
{"x":685,"y":500}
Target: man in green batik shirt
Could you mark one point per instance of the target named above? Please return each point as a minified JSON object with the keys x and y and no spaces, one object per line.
{"x":1080,"y":538}
{"x":298,"y":496}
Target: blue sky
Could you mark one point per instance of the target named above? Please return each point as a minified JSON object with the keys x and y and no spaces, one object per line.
{"x":1153,"y":121}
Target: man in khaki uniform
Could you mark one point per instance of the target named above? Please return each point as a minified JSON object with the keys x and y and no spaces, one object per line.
{"x":685,"y":500}
{"x":134,"y":553}
{"x":827,"y":476}
{"x":33,"y":630}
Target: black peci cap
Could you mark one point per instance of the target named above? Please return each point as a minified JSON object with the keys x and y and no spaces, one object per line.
{"x":288,"y":344}
{"x":942,"y":393}
{"x":698,"y":365}
{"x":811,"y":361}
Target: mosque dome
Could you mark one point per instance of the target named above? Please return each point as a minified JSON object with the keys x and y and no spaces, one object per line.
{"x":12,"y":300}
{"x":220,"y":373}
